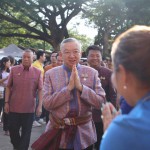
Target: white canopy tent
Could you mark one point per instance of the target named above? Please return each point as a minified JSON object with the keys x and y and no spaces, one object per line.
{"x":11,"y":50}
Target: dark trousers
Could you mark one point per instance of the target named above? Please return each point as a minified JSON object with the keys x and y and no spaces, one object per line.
{"x":4,"y":115}
{"x":1,"y":105}
{"x":5,"y":121}
{"x":99,"y":132}
{"x":89,"y":148}
{"x":20,"y":126}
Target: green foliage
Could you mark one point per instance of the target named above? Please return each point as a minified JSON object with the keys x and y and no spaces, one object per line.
{"x":85,"y":41}
{"x":38,"y":19}
{"x":138,"y":11}
{"x":112,"y":17}
{"x":108,"y":17}
{"x":25,"y":42}
{"x":41,"y":23}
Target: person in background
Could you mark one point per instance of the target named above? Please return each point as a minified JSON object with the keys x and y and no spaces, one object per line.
{"x":53,"y":61}
{"x":94,"y":58}
{"x":12,"y":61}
{"x":59,"y":60}
{"x":4,"y":73}
{"x":131,"y":78}
{"x":23,"y":83}
{"x":70,"y":92}
{"x":104,"y":63}
{"x":19,"y":61}
{"x":6,"y":116}
{"x":39,"y":63}
{"x":109,"y":64}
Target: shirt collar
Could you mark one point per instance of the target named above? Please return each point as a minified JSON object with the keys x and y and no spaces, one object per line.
{"x":68,"y":70}
{"x":146,"y":97}
{"x":25,"y":68}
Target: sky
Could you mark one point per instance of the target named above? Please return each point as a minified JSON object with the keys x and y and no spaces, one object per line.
{"x":81,"y":27}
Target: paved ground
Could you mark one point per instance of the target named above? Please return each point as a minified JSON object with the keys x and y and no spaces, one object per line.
{"x":5,"y":140}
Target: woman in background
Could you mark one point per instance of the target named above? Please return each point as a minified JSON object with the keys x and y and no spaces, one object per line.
{"x":4,"y":73}
{"x":131,"y":77}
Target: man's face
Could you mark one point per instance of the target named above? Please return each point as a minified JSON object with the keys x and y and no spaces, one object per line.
{"x":27,"y":59}
{"x":53,"y":58}
{"x":43,"y":58}
{"x":71,"y":54}
{"x":59,"y":60}
{"x":94,"y":58}
{"x":109,"y":64}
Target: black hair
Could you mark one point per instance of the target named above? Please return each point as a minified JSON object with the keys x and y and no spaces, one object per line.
{"x":3,"y":62}
{"x":39,"y":53}
{"x":93,"y":47}
{"x":132,"y":50}
{"x":12,"y":60}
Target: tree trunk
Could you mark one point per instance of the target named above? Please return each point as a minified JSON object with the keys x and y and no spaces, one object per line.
{"x":106,"y":44}
{"x":56,"y":46}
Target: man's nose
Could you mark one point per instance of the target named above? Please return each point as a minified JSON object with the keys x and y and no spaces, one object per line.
{"x":72,"y":54}
{"x":94,"y":57}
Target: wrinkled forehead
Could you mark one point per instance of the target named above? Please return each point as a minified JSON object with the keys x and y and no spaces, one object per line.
{"x":28,"y":53}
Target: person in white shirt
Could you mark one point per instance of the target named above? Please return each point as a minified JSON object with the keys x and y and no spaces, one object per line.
{"x":4,"y":73}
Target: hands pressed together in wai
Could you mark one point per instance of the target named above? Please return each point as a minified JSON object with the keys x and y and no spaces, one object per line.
{"x":74,"y":81}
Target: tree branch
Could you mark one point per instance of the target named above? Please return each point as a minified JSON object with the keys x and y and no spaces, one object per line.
{"x":21,"y":35}
{"x":22,"y":24}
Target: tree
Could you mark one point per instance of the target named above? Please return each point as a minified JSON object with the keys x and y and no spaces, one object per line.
{"x":85,"y":41}
{"x":38,"y":19}
{"x":109,"y":18}
{"x":138,"y":11}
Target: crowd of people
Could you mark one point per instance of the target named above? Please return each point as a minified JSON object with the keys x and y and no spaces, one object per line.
{"x":92,"y":105}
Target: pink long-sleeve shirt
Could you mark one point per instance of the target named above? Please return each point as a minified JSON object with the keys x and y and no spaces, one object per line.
{"x":23,"y":85}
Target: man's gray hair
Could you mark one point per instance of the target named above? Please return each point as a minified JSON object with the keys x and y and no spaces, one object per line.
{"x":28,"y":51}
{"x":70,"y":40}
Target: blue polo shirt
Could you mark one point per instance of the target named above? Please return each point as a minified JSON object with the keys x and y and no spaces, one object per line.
{"x":124,"y":106}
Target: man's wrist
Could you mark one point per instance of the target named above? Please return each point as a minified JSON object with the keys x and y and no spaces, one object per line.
{"x":40,"y":105}
{"x":80,"y":88}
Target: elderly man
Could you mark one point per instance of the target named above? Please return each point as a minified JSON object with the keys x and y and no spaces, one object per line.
{"x":94,"y":58}
{"x":70,"y":92}
{"x":23,"y":83}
